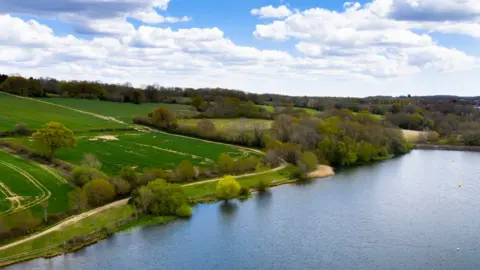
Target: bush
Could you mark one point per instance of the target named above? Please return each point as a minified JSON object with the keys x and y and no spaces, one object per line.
{"x":300,"y":172}
{"x":128,"y":174}
{"x":227,"y":188}
{"x":83,"y":174}
{"x":99,"y":192}
{"x":244,"y":192}
{"x":151,"y":174}
{"x":122,"y":187}
{"x":185,"y":171}
{"x":262,"y":185}
{"x":21,"y":129}
{"x":90,"y":160}
{"x":225,"y":163}
{"x":184,"y":211}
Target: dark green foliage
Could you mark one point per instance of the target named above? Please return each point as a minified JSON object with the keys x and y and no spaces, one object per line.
{"x":128,"y":174}
{"x":263,"y":185}
{"x":161,"y":198}
{"x":244,"y":192}
{"x":22,"y":87}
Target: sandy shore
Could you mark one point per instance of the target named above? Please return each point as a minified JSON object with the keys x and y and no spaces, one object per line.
{"x":322,"y":171}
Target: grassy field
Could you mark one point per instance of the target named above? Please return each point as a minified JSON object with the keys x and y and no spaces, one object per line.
{"x":24,"y":184}
{"x":230,"y":125}
{"x":145,"y":150}
{"x":308,"y":110}
{"x":14,"y":110}
{"x":412,"y":135}
{"x":82,"y":227}
{"x":121,"y":111}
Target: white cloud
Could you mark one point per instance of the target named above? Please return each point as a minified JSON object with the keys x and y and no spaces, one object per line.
{"x":272,"y":12}
{"x":366,"y":41}
{"x":435,"y":10}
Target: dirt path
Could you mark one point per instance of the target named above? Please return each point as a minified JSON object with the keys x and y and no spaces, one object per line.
{"x":76,"y":218}
{"x":69,"y":221}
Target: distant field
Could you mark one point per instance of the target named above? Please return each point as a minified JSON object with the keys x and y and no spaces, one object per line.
{"x":308,"y":110}
{"x":145,"y":150}
{"x":412,"y":135}
{"x":121,"y":111}
{"x":14,"y":110}
{"x":24,"y":184}
{"x":231,"y":125}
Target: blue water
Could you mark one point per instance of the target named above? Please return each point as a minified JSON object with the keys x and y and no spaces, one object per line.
{"x":406,"y":213}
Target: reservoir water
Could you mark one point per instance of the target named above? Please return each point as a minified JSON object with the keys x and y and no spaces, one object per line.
{"x":406,"y":213}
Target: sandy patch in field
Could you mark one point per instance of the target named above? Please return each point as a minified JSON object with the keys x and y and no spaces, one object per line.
{"x":104,"y":137}
{"x":321,"y":171}
{"x":413,"y":135}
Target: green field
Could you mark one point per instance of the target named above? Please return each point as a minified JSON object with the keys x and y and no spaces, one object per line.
{"x":230,"y":125}
{"x":25,"y":184}
{"x":121,"y":111}
{"x":14,"y":110}
{"x":312,"y":112}
{"x":145,"y":150}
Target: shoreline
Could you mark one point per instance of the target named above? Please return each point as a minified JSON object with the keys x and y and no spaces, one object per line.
{"x":447,"y":147}
{"x":321,"y":172}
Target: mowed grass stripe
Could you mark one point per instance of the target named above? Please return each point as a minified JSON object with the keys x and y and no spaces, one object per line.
{"x":58,"y":190}
{"x":14,"y":110}
{"x":121,"y":111}
{"x":147,"y":150}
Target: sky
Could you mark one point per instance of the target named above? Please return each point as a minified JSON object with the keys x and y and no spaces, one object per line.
{"x":292,"y":47}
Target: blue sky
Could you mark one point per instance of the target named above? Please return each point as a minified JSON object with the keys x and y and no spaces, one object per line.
{"x":297,"y":47}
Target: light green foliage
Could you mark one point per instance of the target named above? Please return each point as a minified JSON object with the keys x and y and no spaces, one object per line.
{"x":184,"y":211}
{"x":164,"y":118}
{"x":90,"y":160}
{"x":185,"y":171}
{"x":99,"y":192}
{"x":52,"y":137}
{"x":263,"y":184}
{"x":310,"y":160}
{"x":82,"y":175}
{"x":225,"y":163}
{"x":227,"y":188}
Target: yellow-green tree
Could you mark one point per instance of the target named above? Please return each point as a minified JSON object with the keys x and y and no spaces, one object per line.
{"x":52,"y":137}
{"x":164,"y":118}
{"x":228,"y":188}
{"x":225,"y":163}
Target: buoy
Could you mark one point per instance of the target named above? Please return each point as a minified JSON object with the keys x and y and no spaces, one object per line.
{"x":458,"y":248}
{"x":459,"y":185}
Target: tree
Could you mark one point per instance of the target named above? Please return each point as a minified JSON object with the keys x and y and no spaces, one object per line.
{"x":164,"y":118}
{"x":90,"y":160}
{"x":283,"y":127}
{"x":198,"y":102}
{"x":15,"y":85}
{"x":161,"y":198}
{"x":122,"y":187}
{"x":128,"y":174}
{"x":263,"y":184}
{"x":77,"y":200}
{"x":225,"y":163}
{"x":206,"y":127}
{"x":83,"y":174}
{"x":227,"y":188}
{"x":310,"y":160}
{"x":184,"y":211}
{"x":185,"y":171}
{"x":52,"y":137}
{"x":99,"y":192}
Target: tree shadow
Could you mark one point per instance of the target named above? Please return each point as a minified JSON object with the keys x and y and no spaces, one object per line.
{"x":263,"y":198}
{"x":228,"y":208}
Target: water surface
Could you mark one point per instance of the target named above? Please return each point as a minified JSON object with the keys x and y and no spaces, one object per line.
{"x":406,"y":213}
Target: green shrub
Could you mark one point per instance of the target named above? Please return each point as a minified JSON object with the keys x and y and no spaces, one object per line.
{"x":244,"y":192}
{"x":184,"y":211}
{"x":83,"y":174}
{"x":262,"y":185}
